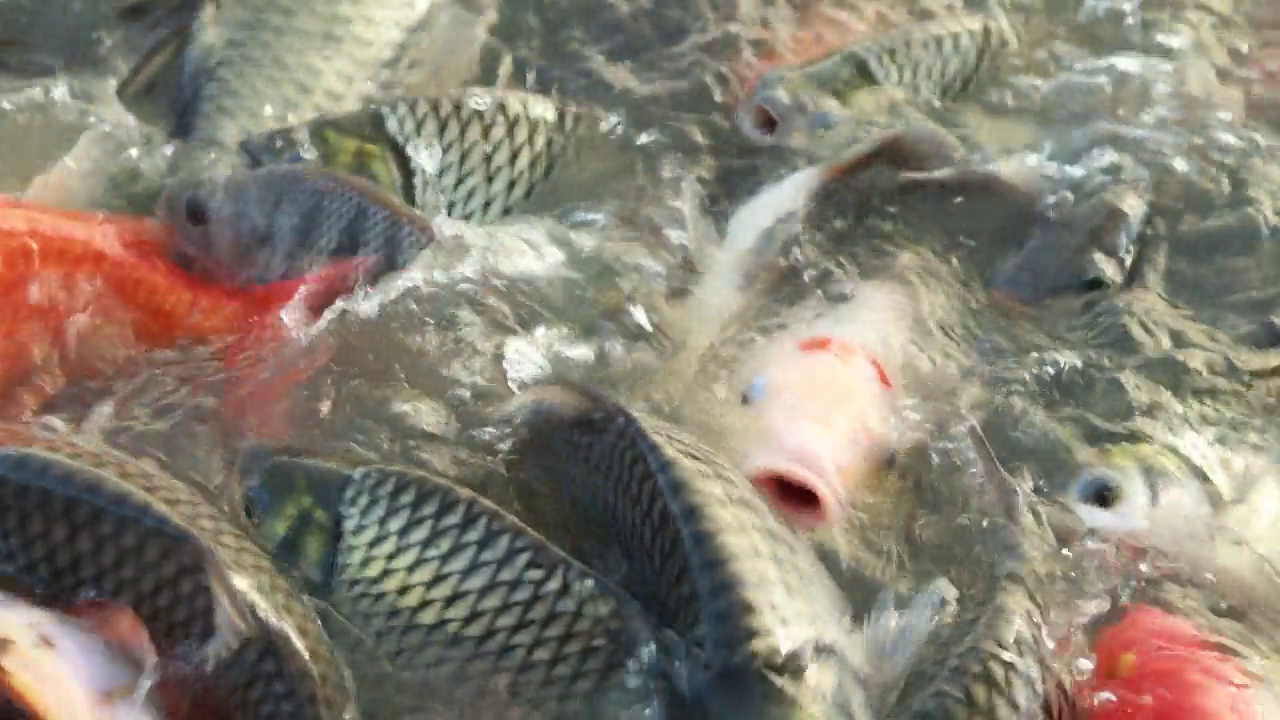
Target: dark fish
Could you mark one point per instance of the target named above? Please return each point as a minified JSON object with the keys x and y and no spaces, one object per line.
{"x":269,"y":224}
{"x":1090,"y":248}
{"x":481,"y":151}
{"x":252,"y":65}
{"x":991,"y":662}
{"x":444,"y":584}
{"x":703,"y":553}
{"x":930,"y":61}
{"x":80,"y":520}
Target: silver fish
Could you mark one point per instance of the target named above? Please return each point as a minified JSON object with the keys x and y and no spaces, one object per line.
{"x":252,"y":65}
{"x":259,"y":226}
{"x":991,"y":662}
{"x":703,"y":553}
{"x":80,"y":520}
{"x":445,"y":585}
{"x":480,"y":151}
{"x":930,"y":61}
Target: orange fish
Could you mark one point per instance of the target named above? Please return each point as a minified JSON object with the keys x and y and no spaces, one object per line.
{"x":1152,"y":665}
{"x":86,"y":293}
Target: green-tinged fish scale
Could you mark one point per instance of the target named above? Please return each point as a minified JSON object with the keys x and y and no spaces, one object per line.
{"x":447,"y":586}
{"x":497,"y":148}
{"x":705,"y":555}
{"x":79,"y":519}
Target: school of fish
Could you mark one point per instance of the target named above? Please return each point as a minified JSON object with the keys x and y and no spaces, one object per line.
{"x":691,"y":565}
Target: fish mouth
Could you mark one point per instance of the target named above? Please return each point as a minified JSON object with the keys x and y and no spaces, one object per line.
{"x":803,"y":497}
{"x":761,"y":118}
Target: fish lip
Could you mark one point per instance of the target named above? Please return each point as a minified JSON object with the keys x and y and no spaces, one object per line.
{"x":817,"y":502}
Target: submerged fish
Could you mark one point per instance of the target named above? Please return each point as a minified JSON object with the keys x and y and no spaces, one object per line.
{"x":703,"y":554}
{"x":78,"y":520}
{"x":1152,"y":664}
{"x":1091,"y":248}
{"x":992,"y":661}
{"x":250,"y":66}
{"x":444,"y":585}
{"x":822,"y":407}
{"x":932,"y":61}
{"x":57,"y":667}
{"x":278,"y":223}
{"x":481,"y":151}
{"x":88,"y":292}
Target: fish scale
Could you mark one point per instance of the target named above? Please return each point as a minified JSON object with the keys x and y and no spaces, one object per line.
{"x":706,"y":557}
{"x":78,"y":519}
{"x":443,"y":584}
{"x":992,"y":661}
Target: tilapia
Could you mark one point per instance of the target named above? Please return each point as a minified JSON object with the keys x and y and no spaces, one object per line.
{"x":934,"y":60}
{"x":703,"y":553}
{"x":78,"y":520}
{"x":253,"y":65}
{"x":264,"y":225}
{"x":481,"y":152}
{"x":445,"y":585}
{"x":992,"y":660}
{"x":1090,"y":248}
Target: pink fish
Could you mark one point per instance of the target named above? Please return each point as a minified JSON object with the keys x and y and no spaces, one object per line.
{"x":823,"y":409}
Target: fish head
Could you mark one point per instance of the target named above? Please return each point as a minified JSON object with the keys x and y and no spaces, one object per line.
{"x":784,"y":110}
{"x":818,"y":425}
{"x":820,"y":688}
{"x":214,"y":222}
{"x":1131,"y":487}
{"x":292,"y":502}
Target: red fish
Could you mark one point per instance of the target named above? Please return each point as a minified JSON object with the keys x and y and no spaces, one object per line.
{"x":86,"y":293}
{"x":1152,"y":665}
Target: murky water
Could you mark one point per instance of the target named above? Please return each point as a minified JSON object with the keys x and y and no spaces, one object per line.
{"x":593,"y":288}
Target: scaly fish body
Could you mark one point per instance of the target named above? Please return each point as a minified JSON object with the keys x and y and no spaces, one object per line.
{"x":992,"y":662}
{"x":282,"y":222}
{"x":445,"y":585}
{"x":480,"y":151}
{"x":930,"y":61}
{"x":253,"y":65}
{"x":705,"y":556}
{"x":86,"y":292}
{"x":80,"y":520}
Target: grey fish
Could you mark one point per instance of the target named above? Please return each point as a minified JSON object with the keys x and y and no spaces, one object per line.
{"x":480,"y":151}
{"x":269,"y":224}
{"x":249,"y":66}
{"x":991,"y":662}
{"x":80,"y":520}
{"x":1091,"y":248}
{"x":444,"y":584}
{"x":704,"y":555}
{"x":934,"y":60}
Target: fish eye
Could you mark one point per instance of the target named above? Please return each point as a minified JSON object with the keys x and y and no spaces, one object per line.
{"x":1100,"y":492}
{"x":823,"y":120}
{"x":196,"y":211}
{"x":753,"y":391}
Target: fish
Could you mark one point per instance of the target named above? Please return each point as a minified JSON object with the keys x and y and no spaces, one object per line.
{"x":251,"y":66}
{"x":1154,"y":664}
{"x":57,"y":667}
{"x":822,"y":407}
{"x":991,"y":660}
{"x":1089,"y":250}
{"x":279,"y":223}
{"x":476,"y":154}
{"x":934,"y":60}
{"x":80,"y":520}
{"x":703,"y":555}
{"x":88,"y":291}
{"x":445,"y":585}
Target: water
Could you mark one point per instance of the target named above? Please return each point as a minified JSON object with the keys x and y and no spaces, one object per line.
{"x":595,"y":288}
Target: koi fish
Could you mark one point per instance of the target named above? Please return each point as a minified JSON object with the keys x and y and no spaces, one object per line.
{"x":87,"y":292}
{"x":1152,"y":664}
{"x":823,"y":408}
